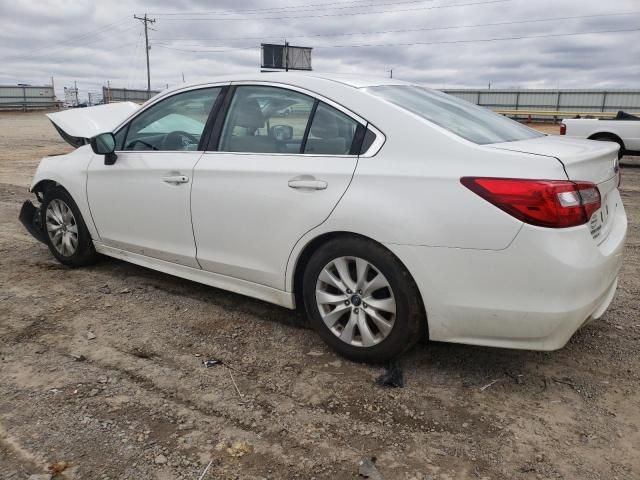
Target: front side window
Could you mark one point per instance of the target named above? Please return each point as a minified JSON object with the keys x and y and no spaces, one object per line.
{"x":265,"y":120}
{"x":469,"y":121}
{"x":174,"y":124}
{"x":331,"y":132}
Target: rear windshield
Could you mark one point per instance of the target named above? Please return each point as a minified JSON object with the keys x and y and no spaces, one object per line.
{"x":474,"y":123}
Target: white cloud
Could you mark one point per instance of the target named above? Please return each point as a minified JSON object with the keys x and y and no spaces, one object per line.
{"x":94,"y":42}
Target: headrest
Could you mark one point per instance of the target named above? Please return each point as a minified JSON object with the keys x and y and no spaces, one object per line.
{"x":325,"y":125}
{"x":248,"y":114}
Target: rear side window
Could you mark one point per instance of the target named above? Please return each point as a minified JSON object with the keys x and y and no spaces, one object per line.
{"x":331,"y":132}
{"x":263,"y":119}
{"x":469,"y":121}
{"x":266,"y":120}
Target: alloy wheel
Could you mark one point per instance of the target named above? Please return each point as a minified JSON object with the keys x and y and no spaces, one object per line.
{"x":62,"y":227}
{"x":355,"y":301}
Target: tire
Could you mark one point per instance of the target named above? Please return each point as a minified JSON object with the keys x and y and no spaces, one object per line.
{"x":59,"y":209}
{"x":610,"y":138}
{"x":339,"y":316}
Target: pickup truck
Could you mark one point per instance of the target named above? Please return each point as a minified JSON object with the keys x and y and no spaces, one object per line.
{"x":624,"y":129}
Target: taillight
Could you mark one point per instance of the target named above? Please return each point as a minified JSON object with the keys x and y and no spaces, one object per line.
{"x":546,"y":203}
{"x":563,"y":129}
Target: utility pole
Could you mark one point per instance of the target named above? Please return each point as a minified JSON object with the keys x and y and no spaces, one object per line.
{"x":391,"y":73}
{"x":89,"y":95}
{"x":75,"y":87}
{"x":146,"y":22}
{"x":182,"y":77}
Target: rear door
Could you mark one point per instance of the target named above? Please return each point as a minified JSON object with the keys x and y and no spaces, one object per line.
{"x":279,"y":165}
{"x":141,"y":203}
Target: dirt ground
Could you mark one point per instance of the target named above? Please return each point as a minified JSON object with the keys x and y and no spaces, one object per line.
{"x":101,"y":371}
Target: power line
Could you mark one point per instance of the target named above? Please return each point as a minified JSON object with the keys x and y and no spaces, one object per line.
{"x":441,"y":42}
{"x":497,"y":39}
{"x":407,"y":30}
{"x":470,"y":4}
{"x":208,"y":51}
{"x":296,"y":9}
{"x":56,"y":49}
{"x":132,"y":59}
{"x":68,"y":41}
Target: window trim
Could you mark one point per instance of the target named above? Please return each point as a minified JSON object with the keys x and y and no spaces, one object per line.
{"x":307,"y":129}
{"x":214,"y":138}
{"x":224,"y":87}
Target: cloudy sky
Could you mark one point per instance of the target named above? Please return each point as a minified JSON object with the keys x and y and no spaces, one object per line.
{"x":439,"y":43}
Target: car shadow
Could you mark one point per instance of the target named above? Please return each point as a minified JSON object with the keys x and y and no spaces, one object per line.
{"x":136,"y":276}
{"x":449,"y":363}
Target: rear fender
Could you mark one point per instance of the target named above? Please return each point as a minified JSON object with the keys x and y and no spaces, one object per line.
{"x":613,"y":136}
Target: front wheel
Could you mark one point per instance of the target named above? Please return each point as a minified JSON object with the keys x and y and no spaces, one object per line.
{"x":65,"y":231}
{"x":362,"y":300}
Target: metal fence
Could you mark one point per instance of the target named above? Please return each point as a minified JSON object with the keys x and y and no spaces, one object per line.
{"x":552,"y":102}
{"x":27,"y":97}
{"x":111,"y":95}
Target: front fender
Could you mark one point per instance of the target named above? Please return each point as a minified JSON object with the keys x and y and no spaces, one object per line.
{"x":70,"y":172}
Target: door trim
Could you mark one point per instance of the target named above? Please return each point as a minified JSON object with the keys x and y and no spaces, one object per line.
{"x":243,"y":287}
{"x":211,"y":119}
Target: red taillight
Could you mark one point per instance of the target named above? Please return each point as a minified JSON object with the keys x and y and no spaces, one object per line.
{"x":546,"y":203}
{"x":563,"y":129}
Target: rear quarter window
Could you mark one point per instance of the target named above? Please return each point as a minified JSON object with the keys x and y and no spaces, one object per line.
{"x":469,"y":121}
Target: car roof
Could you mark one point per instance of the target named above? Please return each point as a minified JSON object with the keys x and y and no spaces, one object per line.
{"x":300,"y":79}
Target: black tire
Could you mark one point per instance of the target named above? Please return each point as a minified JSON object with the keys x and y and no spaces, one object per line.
{"x":611,"y":138}
{"x":410,"y":322}
{"x":85,"y":253}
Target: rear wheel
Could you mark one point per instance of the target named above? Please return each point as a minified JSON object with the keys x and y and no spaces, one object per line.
{"x":65,"y":231}
{"x":362,"y":301}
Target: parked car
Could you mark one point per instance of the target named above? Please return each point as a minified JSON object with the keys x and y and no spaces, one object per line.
{"x":624,"y":130}
{"x":387,"y":211}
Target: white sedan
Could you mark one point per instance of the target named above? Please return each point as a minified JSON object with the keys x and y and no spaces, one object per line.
{"x":387,"y":211}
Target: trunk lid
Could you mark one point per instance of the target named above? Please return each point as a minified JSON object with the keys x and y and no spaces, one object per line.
{"x":76,"y":126}
{"x":583,"y":160}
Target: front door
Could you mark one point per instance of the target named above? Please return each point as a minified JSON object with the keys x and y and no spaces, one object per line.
{"x":282,"y":163}
{"x":141,"y":203}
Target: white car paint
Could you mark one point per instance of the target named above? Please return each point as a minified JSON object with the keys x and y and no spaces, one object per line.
{"x":486,"y":278}
{"x":626,"y":130}
{"x":136,"y":218}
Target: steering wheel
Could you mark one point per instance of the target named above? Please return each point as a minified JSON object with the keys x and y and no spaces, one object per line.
{"x":179,"y":140}
{"x":137,"y":141}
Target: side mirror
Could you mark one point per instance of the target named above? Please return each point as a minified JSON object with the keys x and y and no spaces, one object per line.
{"x":105,"y":144}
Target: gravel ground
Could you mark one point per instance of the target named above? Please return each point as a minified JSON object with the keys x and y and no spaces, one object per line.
{"x":101,"y":377}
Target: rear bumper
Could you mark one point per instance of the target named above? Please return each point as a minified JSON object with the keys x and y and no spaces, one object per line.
{"x":532,"y":295}
{"x":30,"y":217}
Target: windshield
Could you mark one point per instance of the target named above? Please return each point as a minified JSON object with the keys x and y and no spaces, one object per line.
{"x":474,"y":123}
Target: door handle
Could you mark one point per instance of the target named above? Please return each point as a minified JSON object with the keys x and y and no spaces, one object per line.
{"x":308,"y":184}
{"x":175,"y":179}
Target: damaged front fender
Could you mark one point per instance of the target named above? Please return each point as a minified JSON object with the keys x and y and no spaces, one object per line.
{"x":32,"y":220}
